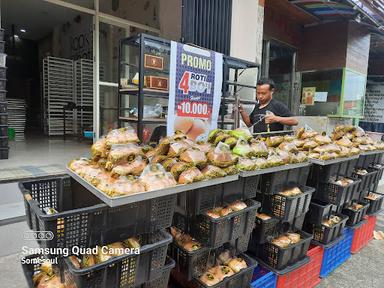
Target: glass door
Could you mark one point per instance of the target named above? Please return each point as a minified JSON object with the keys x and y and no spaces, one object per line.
{"x":279,"y":61}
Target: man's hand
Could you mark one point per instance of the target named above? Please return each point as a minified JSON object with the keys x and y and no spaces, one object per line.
{"x":271,"y":118}
{"x":241,"y":108}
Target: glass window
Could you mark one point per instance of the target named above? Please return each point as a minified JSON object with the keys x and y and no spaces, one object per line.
{"x":354,"y":91}
{"x":329,"y":84}
{"x":108,"y":109}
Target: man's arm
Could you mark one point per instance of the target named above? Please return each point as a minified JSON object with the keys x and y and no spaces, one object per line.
{"x":272,"y":118}
{"x":245,"y":116}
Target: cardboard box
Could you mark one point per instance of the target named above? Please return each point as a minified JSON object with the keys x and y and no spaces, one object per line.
{"x":155,"y":82}
{"x":153,"y":62}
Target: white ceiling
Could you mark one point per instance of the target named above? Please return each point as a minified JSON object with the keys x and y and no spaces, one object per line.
{"x":38,"y":17}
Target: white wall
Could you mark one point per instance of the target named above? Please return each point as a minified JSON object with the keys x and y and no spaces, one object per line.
{"x":247,"y":30}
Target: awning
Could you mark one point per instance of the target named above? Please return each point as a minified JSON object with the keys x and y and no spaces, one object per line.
{"x":368,"y":11}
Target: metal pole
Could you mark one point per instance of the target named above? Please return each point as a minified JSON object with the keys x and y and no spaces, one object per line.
{"x":96,"y":68}
{"x":293,"y":80}
{"x":265,"y":60}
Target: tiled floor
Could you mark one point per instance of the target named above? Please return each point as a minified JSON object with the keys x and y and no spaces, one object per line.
{"x":43,"y":150}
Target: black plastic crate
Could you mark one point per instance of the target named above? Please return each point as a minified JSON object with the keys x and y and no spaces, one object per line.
{"x":275,"y":182}
{"x":355,"y":217}
{"x":4,"y":153}
{"x":3,"y":107}
{"x":83,"y":220}
{"x":67,"y":278}
{"x":3,"y":130}
{"x":3,"y":84}
{"x":1,"y":34}
{"x":336,"y":194}
{"x":375,"y":205}
{"x":204,"y":199}
{"x":192,"y":264}
{"x":126,"y":270}
{"x":318,"y":212}
{"x":242,"y":279}
{"x":4,"y":141}
{"x":367,"y":160}
{"x":280,"y":258}
{"x":320,"y":173}
{"x":265,"y":229}
{"x":380,"y":169}
{"x":366,"y":181}
{"x":2,"y":45}
{"x":3,"y":119}
{"x":323,"y":234}
{"x":163,"y":280}
{"x":3,"y":95}
{"x":288,"y":208}
{"x":31,"y":267}
{"x":215,"y":232}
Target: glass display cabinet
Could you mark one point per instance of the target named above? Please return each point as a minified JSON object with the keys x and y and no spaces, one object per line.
{"x":143,"y":91}
{"x":143,"y":83}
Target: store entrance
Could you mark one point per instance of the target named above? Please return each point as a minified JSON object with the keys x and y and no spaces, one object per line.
{"x":280,"y":65}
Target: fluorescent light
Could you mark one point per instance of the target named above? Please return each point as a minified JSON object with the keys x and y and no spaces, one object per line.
{"x":16,"y":36}
{"x":23,"y":30}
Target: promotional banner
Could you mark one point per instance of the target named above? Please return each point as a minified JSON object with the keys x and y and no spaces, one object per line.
{"x":195,"y":90}
{"x":374,"y":103}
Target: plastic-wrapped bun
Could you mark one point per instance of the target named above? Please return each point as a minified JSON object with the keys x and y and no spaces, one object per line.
{"x":241,"y":133}
{"x":124,"y":152}
{"x":274,"y":141}
{"x":211,"y":172}
{"x":135,"y":167}
{"x":154,"y":177}
{"x":288,"y":146}
{"x":123,"y":186}
{"x":190,"y":175}
{"x":242,"y":148}
{"x":221,"y":156}
{"x":77,"y":164}
{"x":274,"y":160}
{"x":261,"y":163}
{"x":121,"y":136}
{"x":99,"y":148}
{"x":259,"y":149}
{"x":246,"y":164}
{"x":194,"y":157}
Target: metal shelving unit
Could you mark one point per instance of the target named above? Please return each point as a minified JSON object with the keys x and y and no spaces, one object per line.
{"x":59,"y":86}
{"x":233,"y":69}
{"x":84,"y":92}
{"x":131,"y":59}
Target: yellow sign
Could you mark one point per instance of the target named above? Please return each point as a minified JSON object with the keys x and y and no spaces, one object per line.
{"x":308,"y":95}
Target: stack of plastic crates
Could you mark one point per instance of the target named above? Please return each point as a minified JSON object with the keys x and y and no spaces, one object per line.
{"x":337,"y":253}
{"x":263,"y":278}
{"x":363,"y":234}
{"x":4,"y":149}
{"x":75,"y":218}
{"x":216,"y":235}
{"x":282,"y":213}
{"x":306,"y":276}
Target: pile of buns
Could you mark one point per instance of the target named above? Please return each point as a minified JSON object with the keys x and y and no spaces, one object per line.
{"x":333,"y":220}
{"x":263,"y":216}
{"x":344,"y":182}
{"x":185,"y":240}
{"x":286,"y":240}
{"x":226,"y":267}
{"x":224,"y":211}
{"x":102,"y":255}
{"x":291,"y":192}
{"x":355,"y":206}
{"x":373,"y":196}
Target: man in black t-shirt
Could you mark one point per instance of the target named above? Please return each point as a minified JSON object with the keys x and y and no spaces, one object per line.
{"x":268,"y":113}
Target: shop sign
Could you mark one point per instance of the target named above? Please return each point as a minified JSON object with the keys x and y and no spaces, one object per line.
{"x":195,"y":90}
{"x":374,"y":103}
{"x":308,"y":95}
